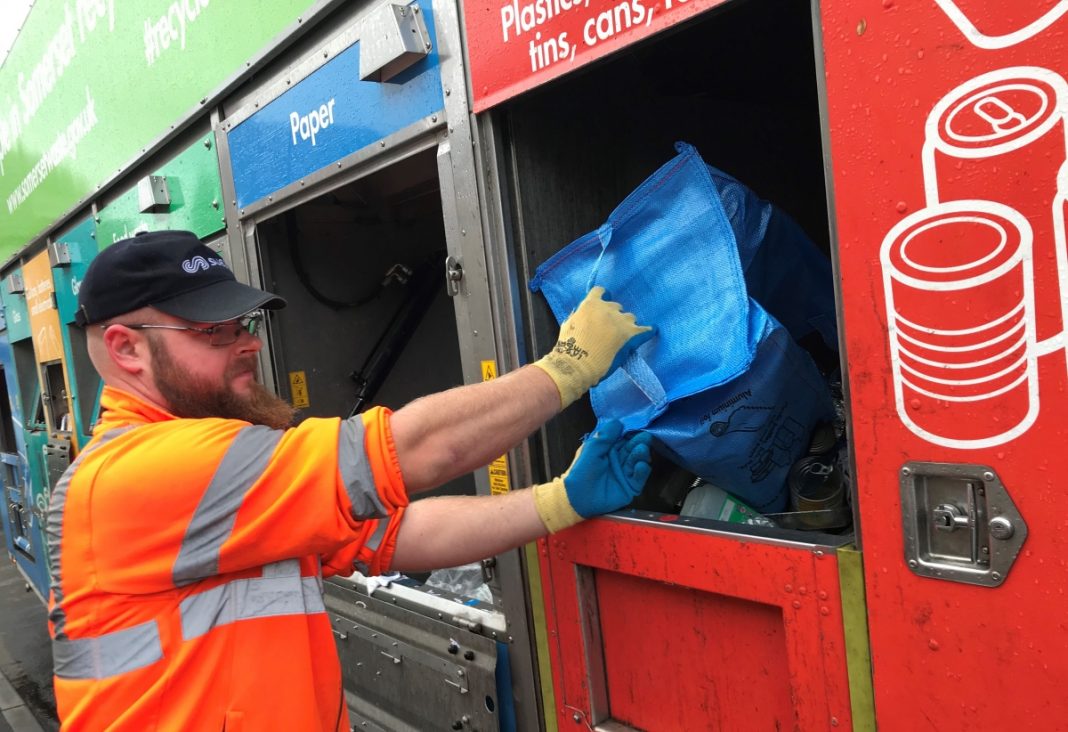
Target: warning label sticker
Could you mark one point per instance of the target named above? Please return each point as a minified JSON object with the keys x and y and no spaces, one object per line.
{"x":498,"y":469}
{"x":298,"y":390}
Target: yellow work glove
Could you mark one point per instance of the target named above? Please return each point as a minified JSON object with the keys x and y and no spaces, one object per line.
{"x":606,"y":474}
{"x":593,"y":341}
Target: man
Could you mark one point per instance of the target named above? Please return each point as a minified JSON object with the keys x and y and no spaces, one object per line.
{"x":190,"y":537}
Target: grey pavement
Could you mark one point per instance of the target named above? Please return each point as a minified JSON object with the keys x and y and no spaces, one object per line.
{"x":15,"y":716}
{"x":27,"y":701}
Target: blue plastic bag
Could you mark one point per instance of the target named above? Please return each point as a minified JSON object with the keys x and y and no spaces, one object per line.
{"x":723,"y":387}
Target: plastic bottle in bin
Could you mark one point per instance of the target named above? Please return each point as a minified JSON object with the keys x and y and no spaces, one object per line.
{"x":711,"y":502}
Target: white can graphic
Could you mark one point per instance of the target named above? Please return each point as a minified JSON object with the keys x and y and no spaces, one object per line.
{"x":1000,"y":25}
{"x":959,"y":293}
{"x":1060,"y":210}
{"x":1002,"y":137}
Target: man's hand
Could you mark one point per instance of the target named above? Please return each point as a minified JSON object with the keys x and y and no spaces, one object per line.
{"x":594,"y":340}
{"x":447,"y":531}
{"x":606,"y":475}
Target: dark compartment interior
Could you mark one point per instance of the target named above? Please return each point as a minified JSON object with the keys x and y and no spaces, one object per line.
{"x":348,"y":262}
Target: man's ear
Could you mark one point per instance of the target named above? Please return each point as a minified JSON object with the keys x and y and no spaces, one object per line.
{"x":127,"y":349}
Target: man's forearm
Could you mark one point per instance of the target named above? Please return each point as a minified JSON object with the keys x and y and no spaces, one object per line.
{"x":449,"y":434}
{"x":448,"y":531}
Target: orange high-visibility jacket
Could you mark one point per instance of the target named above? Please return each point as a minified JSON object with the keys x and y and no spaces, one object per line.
{"x":187,"y":565}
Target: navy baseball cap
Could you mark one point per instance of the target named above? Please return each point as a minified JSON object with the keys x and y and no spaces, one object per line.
{"x":173,"y":272}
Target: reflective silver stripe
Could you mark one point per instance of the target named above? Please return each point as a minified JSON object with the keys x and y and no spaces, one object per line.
{"x":247,"y":599}
{"x":210,"y":527}
{"x":376,"y":538}
{"x":54,"y":530}
{"x":281,"y":591}
{"x":284,"y":568}
{"x":107,"y":655}
{"x":373,"y":543}
{"x":356,"y":471}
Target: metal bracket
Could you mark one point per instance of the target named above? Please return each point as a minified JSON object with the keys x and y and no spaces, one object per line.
{"x":393,"y":38}
{"x":960,"y":523}
{"x":58,"y":254}
{"x":454,"y":272}
{"x":153,"y":195}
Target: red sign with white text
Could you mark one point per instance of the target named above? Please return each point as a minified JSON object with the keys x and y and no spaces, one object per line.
{"x":516,"y":45}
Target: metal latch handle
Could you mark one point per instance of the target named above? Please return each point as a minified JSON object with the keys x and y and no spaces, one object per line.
{"x":947,"y":517}
{"x":454,"y":272}
{"x":959,"y":522}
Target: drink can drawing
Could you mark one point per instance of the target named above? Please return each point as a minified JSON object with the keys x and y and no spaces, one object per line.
{"x":959,"y":291}
{"x":1002,"y":137}
{"x":994,"y":24}
{"x":1060,"y":213}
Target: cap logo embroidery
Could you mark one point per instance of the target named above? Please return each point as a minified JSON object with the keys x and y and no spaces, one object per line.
{"x":197,"y":263}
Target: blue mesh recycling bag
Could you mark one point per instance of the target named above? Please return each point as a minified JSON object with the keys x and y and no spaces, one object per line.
{"x":730,"y":282}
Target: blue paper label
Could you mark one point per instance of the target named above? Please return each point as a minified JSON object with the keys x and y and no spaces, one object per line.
{"x":328,"y":115}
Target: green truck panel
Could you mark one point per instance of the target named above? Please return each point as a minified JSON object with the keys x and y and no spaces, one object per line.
{"x":90,"y":85}
{"x":196,"y":204}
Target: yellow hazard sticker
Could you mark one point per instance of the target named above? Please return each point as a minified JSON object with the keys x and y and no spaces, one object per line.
{"x":498,"y":469}
{"x":298,"y":389}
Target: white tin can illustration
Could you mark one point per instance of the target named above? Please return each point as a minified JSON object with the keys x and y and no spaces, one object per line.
{"x":993,"y":24}
{"x":1002,"y":137}
{"x":959,"y":290}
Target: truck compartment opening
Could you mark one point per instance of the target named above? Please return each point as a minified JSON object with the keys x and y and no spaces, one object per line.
{"x":740,"y":84}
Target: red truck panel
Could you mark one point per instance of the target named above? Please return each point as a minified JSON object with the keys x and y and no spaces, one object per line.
{"x":948,"y":147}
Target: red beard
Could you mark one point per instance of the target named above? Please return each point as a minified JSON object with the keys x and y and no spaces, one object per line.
{"x":194,"y":397}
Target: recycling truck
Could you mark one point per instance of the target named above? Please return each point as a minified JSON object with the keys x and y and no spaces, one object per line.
{"x":399,"y":172}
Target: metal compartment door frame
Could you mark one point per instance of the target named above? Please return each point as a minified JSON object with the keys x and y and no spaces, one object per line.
{"x":480,"y":339}
{"x":508,"y":339}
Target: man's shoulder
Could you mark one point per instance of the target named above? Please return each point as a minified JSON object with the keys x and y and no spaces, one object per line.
{"x":187,"y":441}
{"x":188,"y":445}
{"x":175,"y":427}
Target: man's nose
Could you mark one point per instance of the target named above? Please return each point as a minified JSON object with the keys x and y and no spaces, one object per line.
{"x":248,"y":343}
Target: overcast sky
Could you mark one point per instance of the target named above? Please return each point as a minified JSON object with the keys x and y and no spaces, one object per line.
{"x":12,"y":15}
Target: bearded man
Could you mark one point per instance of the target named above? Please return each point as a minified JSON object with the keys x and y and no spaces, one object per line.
{"x":189,"y":539}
